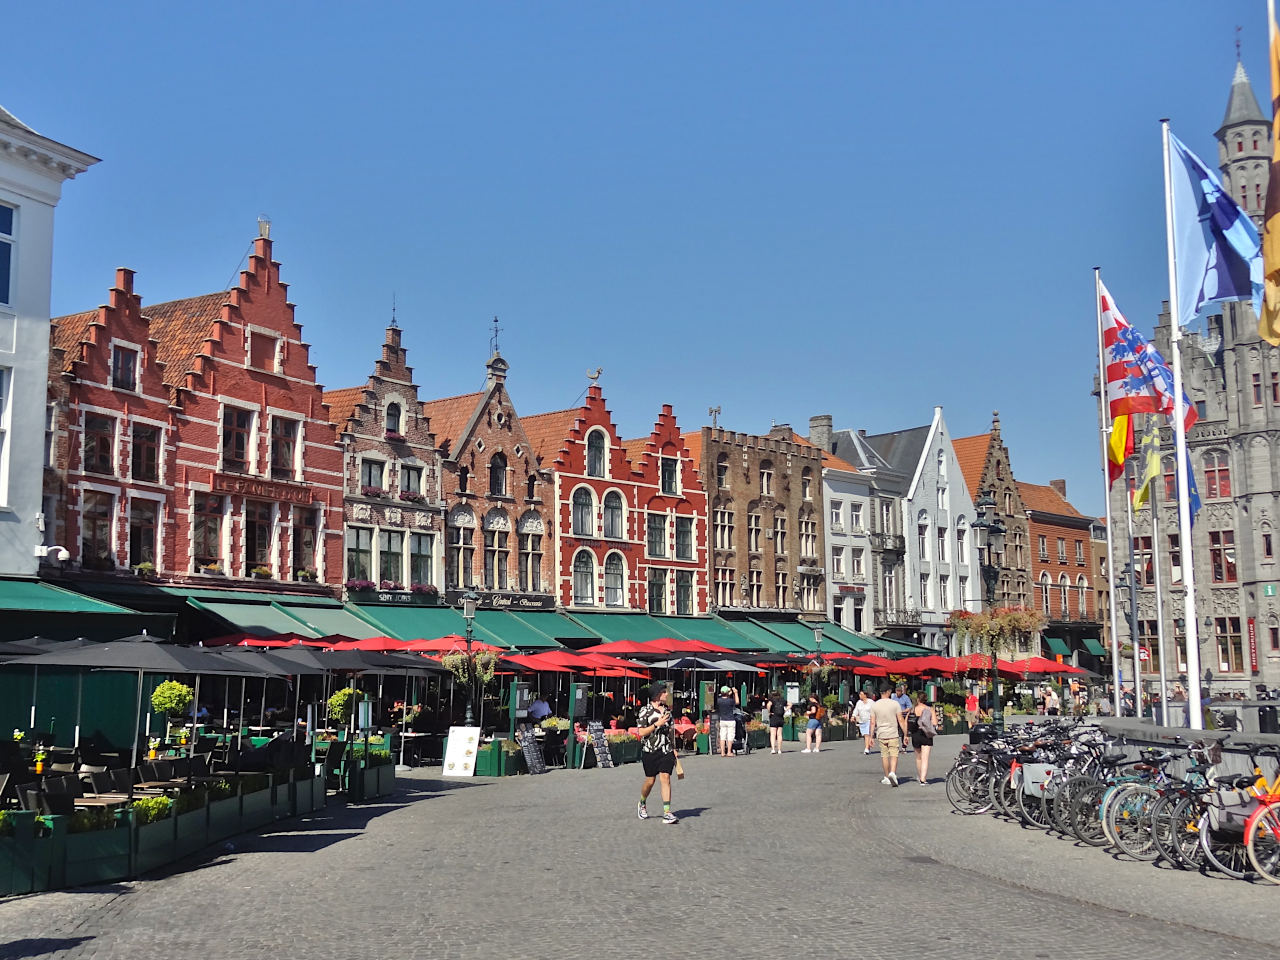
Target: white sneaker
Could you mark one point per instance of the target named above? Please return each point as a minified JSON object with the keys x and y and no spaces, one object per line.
{"x":806,"y":750}
{"x":893,"y":777}
{"x":886,"y":781}
{"x":866,"y":753}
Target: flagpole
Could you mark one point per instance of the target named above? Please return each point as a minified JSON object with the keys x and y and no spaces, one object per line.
{"x":1195,"y":716}
{"x":1105,"y":420}
{"x":1154,"y":503}
{"x":1133,"y":592}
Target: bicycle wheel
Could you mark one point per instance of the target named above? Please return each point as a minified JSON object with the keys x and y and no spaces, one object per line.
{"x":1085,"y":818}
{"x":1186,"y":832}
{"x":1005,"y":789}
{"x":1032,"y":810}
{"x":1164,"y":826}
{"x":967,"y":789}
{"x":1224,"y":852}
{"x":1129,"y":821}
{"x":1262,"y":841}
{"x":1066,"y":795}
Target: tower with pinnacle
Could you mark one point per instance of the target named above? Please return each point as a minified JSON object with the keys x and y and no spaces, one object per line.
{"x":1244,"y":147}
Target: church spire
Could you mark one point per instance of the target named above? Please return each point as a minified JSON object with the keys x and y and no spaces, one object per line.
{"x":1244,"y":147}
{"x":1242,"y":105}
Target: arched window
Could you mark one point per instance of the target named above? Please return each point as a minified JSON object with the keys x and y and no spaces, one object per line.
{"x":393,"y":418}
{"x":612,"y":517}
{"x":595,"y":453}
{"x":806,"y":484}
{"x":464,"y":476}
{"x":1170,"y":478}
{"x":584,"y":580}
{"x":497,"y":475}
{"x":1045,"y":587}
{"x":1217,"y":475}
{"x":766,"y":478}
{"x":615,"y":578}
{"x":722,"y":471}
{"x":1082,"y":596}
{"x":531,"y":487}
{"x":1064,"y":595}
{"x":583,"y":521}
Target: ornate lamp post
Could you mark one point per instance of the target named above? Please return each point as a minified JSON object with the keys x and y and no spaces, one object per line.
{"x":989,"y":531}
{"x":469,"y":601}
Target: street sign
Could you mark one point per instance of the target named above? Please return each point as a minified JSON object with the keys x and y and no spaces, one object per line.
{"x":1268,"y":589}
{"x":1144,"y":654}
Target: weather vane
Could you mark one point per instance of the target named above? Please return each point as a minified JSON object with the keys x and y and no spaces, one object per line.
{"x":713,"y":413}
{"x":493,"y":340}
{"x":393,"y":308}
{"x":593,"y":377}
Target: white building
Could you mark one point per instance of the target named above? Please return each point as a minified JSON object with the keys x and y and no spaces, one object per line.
{"x":32,"y":171}
{"x":846,"y":495}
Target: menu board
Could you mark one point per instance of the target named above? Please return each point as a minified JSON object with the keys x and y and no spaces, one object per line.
{"x":595,"y":730}
{"x":460,"y":751}
{"x":533,"y":758}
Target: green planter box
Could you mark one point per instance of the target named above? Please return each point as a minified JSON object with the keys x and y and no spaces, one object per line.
{"x":490,"y":761}
{"x":17,"y":852}
{"x":704,"y":743}
{"x":759,"y":739}
{"x":791,"y":730}
{"x":49,"y":863}
{"x":304,"y":796}
{"x":834,"y":732}
{"x":98,"y":856}
{"x":256,"y":809}
{"x":282,"y":803}
{"x":953,"y":726}
{"x":627,"y":751}
{"x":376,"y":781}
{"x":192,"y":832}
{"x":224,"y":818}
{"x":154,"y":844}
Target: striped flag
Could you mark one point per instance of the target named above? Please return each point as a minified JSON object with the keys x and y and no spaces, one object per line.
{"x":1138,"y":379}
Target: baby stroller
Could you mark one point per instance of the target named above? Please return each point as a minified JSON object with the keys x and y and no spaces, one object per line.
{"x":741,"y":745}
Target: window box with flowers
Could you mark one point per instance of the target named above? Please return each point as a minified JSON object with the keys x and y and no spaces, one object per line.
{"x":378,"y":492}
{"x":361,"y":586}
{"x":394,"y":436}
{"x":390,"y":585}
{"x":410,"y":496}
{"x":212,"y":570}
{"x":424,"y":593}
{"x":260,"y":573}
{"x":307,"y":576}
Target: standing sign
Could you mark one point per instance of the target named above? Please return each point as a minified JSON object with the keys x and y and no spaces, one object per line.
{"x":595,"y":730}
{"x":1253,"y":645}
{"x":533,"y":758}
{"x":460,"y":751}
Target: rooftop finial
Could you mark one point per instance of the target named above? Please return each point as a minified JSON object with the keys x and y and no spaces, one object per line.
{"x":1238,"y":29}
{"x":493,"y":340}
{"x":393,"y":308}
{"x":593,"y":377}
{"x":264,"y":226}
{"x":714,"y":414}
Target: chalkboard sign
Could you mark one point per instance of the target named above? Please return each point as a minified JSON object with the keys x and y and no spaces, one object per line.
{"x":595,"y":730}
{"x":533,"y":758}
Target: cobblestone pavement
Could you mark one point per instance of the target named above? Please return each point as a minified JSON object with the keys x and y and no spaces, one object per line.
{"x":773,"y":856}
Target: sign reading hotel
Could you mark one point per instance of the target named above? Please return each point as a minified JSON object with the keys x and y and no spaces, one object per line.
{"x":261,"y":489}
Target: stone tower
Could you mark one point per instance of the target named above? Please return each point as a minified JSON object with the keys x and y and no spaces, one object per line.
{"x":1244,"y":147}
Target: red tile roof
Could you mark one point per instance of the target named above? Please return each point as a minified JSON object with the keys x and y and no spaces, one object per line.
{"x":548,"y":431}
{"x":180,"y":328}
{"x":449,"y":417}
{"x":828,"y":459}
{"x":971,"y":452}
{"x":1045,"y":499}
{"x":68,"y":331}
{"x":635,"y":450}
{"x":692,"y":443}
{"x":342,"y":404}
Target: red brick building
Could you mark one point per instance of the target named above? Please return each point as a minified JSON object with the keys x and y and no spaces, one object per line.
{"x":191,"y":435}
{"x":630,"y":516}
{"x":393,"y":501}
{"x":1061,"y":564}
{"x":497,"y":530}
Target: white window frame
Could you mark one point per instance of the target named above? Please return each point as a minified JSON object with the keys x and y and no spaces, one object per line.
{"x":12,"y":240}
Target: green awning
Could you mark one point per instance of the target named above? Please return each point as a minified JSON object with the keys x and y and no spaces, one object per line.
{"x":1094,"y":646}
{"x":1057,"y":645}
{"x":262,"y":619}
{"x":707,"y":629}
{"x":637,"y":627}
{"x":760,"y":638}
{"x":251,"y":596}
{"x":521,"y":634}
{"x":31,"y":595}
{"x":798,"y":633}
{"x":329,"y":621}
{"x":855,"y":642}
{"x":560,"y":628}
{"x":413,"y":623}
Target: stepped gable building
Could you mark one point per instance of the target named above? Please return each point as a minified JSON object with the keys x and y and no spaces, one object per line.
{"x":394,"y":503}
{"x":498,"y":529}
{"x":767,"y":525}
{"x":192,"y":436}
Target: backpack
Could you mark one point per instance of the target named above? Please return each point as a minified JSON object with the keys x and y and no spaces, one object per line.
{"x":822,"y":713}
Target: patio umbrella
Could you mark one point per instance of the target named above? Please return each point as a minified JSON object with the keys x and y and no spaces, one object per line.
{"x":672,"y":645}
{"x":1043,"y":665}
{"x":376,"y":644}
{"x":701,"y":664}
{"x":450,"y":644}
{"x":626,"y":648}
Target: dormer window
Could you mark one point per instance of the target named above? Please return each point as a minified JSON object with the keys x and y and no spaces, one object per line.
{"x":124,"y":368}
{"x":393,"y":418}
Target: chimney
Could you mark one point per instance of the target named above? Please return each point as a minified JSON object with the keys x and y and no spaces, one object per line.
{"x":780,"y":431}
{"x":1060,"y":486}
{"x":820,"y":431}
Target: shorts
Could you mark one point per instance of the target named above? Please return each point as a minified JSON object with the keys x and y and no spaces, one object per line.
{"x":971,"y":716}
{"x":727,"y":729}
{"x":918,"y":739}
{"x":888,"y":747}
{"x":864,"y":728}
{"x":656,"y":763}
{"x":775,"y":723}
{"x":813,"y":724}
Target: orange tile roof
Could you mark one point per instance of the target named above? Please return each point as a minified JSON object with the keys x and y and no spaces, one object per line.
{"x":635,"y":450}
{"x":180,"y":328}
{"x":449,"y":416}
{"x":971,"y":452}
{"x":548,"y":431}
{"x":68,"y":331}
{"x":1045,"y":499}
{"x":828,"y":459}
{"x":692,"y":442}
{"x":342,"y":404}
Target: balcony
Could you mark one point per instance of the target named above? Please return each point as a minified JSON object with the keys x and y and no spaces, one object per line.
{"x":889,"y":542}
{"x":838,"y":576}
{"x":836,"y":528}
{"x":897,"y":616}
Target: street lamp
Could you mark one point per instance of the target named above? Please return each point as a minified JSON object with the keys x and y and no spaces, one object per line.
{"x":469,"y":601}
{"x":990,"y":531}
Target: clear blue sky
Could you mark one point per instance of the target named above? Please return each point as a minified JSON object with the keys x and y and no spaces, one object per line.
{"x":862,"y":209}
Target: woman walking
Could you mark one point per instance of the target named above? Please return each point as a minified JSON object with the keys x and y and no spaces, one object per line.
{"x":861,"y":714}
{"x":922,"y":726}
{"x":777,"y":709}
{"x":813,"y":725}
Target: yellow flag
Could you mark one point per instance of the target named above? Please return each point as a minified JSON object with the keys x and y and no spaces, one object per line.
{"x":1269,"y":322}
{"x":1149,"y":458}
{"x":1119,"y":446}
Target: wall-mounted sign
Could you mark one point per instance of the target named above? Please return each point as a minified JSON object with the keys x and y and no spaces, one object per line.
{"x":263,"y":489}
{"x":850,"y":588}
{"x":1253,"y":645}
{"x":504,"y":601}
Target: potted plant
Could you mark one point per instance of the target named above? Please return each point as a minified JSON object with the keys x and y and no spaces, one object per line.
{"x":306,"y":575}
{"x":377,"y":492}
{"x":212,"y":569}
{"x":361,"y":586}
{"x":41,"y":757}
{"x":394,"y":436}
{"x":145,"y":570}
{"x":153,"y":745}
{"x":153,"y":829}
{"x":341,"y":705}
{"x":424,"y":592}
{"x":390,"y":585}
{"x":412,"y":496}
{"x":173,"y":699}
{"x":261,"y":573}
{"x":19,"y":734}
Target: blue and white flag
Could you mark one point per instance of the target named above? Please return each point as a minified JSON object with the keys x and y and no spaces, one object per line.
{"x":1218,"y":251}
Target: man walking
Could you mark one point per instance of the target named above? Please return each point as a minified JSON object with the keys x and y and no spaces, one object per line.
{"x":904,"y":704}
{"x":726,"y":715}
{"x":890,"y":723}
{"x":657,"y":750}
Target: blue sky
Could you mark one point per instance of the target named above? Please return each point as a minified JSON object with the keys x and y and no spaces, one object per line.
{"x":781,"y":209}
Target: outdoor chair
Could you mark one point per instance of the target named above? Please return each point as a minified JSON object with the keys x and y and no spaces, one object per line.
{"x":62,"y":804}
{"x":64,"y":784}
{"x":181,"y":768}
{"x":29,"y":796}
{"x":163,"y":770}
{"x":332,"y":761}
{"x":5,"y":798}
{"x":206,"y":745}
{"x":230,"y":760}
{"x":122,"y":780}
{"x":62,"y":767}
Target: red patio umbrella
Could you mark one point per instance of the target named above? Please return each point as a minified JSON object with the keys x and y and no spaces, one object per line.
{"x":377,"y":644}
{"x":448,"y":644}
{"x":528,"y":663}
{"x":626,"y":648}
{"x":1043,"y":665}
{"x":672,"y":645}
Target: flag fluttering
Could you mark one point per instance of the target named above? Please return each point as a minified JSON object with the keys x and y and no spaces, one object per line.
{"x":1193,"y":498}
{"x":1148,"y":463}
{"x":1269,"y":318}
{"x":1218,"y":252}
{"x":1119,"y":446}
{"x":1138,"y":379}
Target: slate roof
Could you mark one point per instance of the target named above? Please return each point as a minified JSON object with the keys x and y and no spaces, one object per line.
{"x":829,"y":460}
{"x":854,"y":449}
{"x":449,"y":417}
{"x":1045,"y":499}
{"x":548,"y":431}
{"x":971,"y":452}
{"x":902,"y":448}
{"x":1242,"y":105}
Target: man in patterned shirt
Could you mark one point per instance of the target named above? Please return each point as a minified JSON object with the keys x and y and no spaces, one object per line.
{"x":657,"y":750}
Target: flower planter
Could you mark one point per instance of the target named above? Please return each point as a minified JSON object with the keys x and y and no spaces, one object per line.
{"x":759,"y":739}
{"x":376,"y":781}
{"x":154,"y":844}
{"x":17,"y":853}
{"x":191,"y":832}
{"x":98,"y":856}
{"x":833,"y":733}
{"x":224,"y":818}
{"x":490,"y":761}
{"x":256,"y":809}
{"x":282,"y":802}
{"x":950,"y":726}
{"x":703,"y":741}
{"x":791,"y":730}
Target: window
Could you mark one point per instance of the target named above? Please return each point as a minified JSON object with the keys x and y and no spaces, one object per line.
{"x":684,"y":593}
{"x":257,"y":535}
{"x":495,"y":559}
{"x":1275,"y":386}
{"x":391,"y":559}
{"x":50,"y":419}
{"x":464,"y":477}
{"x":146,"y":453}
{"x":1201,"y":409}
{"x":421,"y":550}
{"x":808,"y":538}
{"x":1170,"y":478}
{"x":1274,"y":633}
{"x":459,"y":557}
{"x":305,"y":526}
{"x":142,"y":531}
{"x":264,"y":351}
{"x":236,"y":428}
{"x":964,"y":590}
{"x":531,"y":487}
{"x":393,"y":418}
{"x":372,"y":473}
{"x":1062,"y":549}
{"x":766,"y":478}
{"x":886,"y":517}
{"x":1079,"y":553}
{"x":657,"y":590}
{"x":99,"y":444}
{"x":837,"y":563}
{"x":1217,"y":475}
{"x":753,"y":532}
{"x":1044,"y":593}
{"x":411,"y":480}
{"x":806,"y":484}
{"x":584,"y":580}
{"x":809,"y":593}
{"x":942,"y":545}
{"x":684,"y":538}
{"x":855,"y":517}
{"x":1082,"y":596}
{"x":723,"y":529}
{"x":1042,"y":542}
{"x":206,"y":529}
{"x":6,"y":253}
{"x":1230,"y":650}
{"x":657,"y":535}
{"x":856,"y":567}
{"x":613,"y":515}
{"x":1142,"y":561}
{"x":497,"y":475}
{"x":780,"y":588}
{"x":1267,"y":553}
{"x":1257,"y":389}
{"x":595,"y":454}
{"x":837,"y":516}
{"x":922,"y":540}
{"x":583,"y":513}
{"x":944,"y":592}
{"x":1064,"y":596}
{"x":669,"y":468}
{"x":725,"y":586}
{"x":1222,"y":555}
{"x":531,"y":562}
{"x":284,"y":443}
{"x":124,"y":368}
{"x":722,"y":471}
{"x":962,"y":555}
{"x":780,"y":535}
{"x":924,"y":591}
{"x":615,"y":576}
{"x":1175,"y":558}
{"x":95,"y":531}
{"x":755,"y":588}
{"x":1008,"y":503}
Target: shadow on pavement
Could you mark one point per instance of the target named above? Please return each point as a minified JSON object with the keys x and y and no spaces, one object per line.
{"x":691,"y":812}
{"x":38,"y":946}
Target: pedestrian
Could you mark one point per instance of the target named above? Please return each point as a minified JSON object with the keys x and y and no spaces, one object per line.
{"x":971,"y":708}
{"x":1051,"y":702}
{"x":777,"y":711}
{"x":861,"y":713}
{"x":726,"y":710}
{"x":657,"y":751}
{"x":890,"y":724}
{"x":1128,"y":706}
{"x":922,"y":724}
{"x":813,"y":725}
{"x":904,"y":703}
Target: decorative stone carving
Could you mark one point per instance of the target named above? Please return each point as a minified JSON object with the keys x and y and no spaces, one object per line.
{"x":531,"y":523}
{"x":394,"y":515}
{"x":497,"y":519}
{"x":461,"y":516}
{"x":361,"y":511}
{"x":421,"y":519}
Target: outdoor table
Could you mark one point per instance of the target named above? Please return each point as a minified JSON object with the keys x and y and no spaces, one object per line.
{"x":414,"y":742}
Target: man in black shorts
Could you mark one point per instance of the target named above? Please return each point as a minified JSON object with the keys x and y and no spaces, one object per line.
{"x":657,"y":750}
